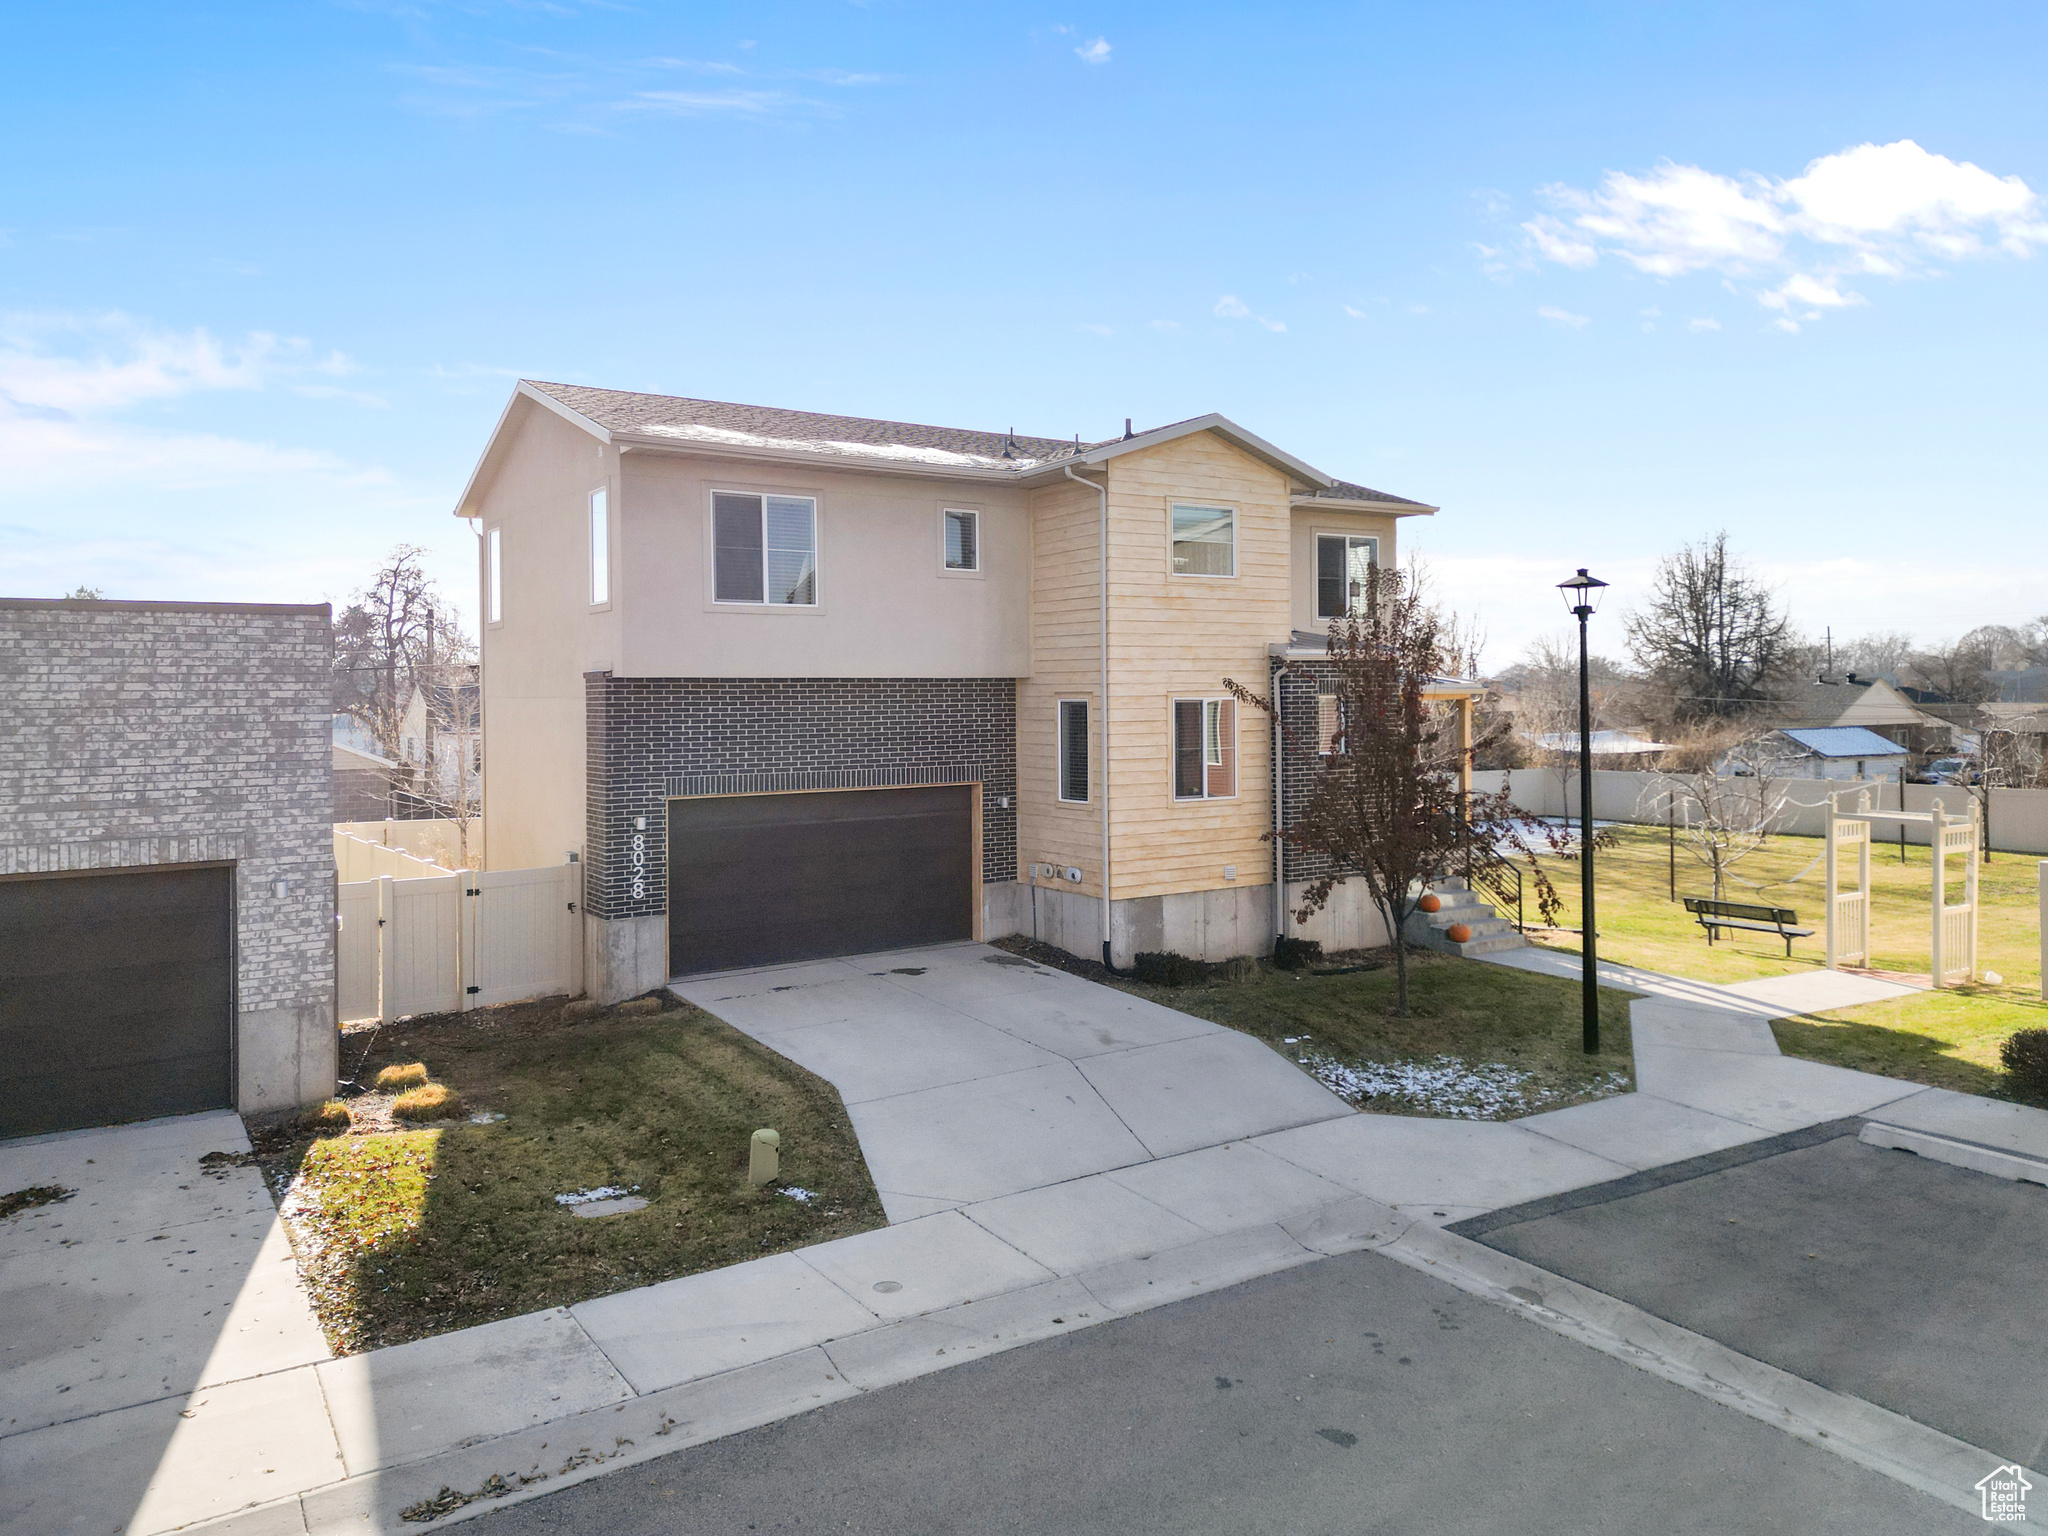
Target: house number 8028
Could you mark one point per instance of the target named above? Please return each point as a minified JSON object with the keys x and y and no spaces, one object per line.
{"x":639,"y":865}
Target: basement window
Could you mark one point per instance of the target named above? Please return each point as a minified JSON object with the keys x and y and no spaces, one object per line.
{"x":963,"y":540}
{"x":1204,"y":749}
{"x":764,"y":549}
{"x":1073,"y":750}
{"x":1344,"y":563}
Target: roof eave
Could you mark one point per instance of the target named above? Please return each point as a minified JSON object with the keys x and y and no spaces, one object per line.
{"x":1399,"y":508}
{"x":1222,"y":426}
{"x":656,"y":442}
{"x":472,"y":490}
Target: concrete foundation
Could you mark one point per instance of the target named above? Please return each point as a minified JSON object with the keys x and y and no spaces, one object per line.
{"x":1218,"y":924}
{"x":1348,"y":920}
{"x":624,"y":957}
{"x":285,"y":1056}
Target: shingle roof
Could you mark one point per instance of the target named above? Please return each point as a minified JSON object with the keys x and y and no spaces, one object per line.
{"x":1845,"y":741}
{"x":1344,"y":490}
{"x":617,"y":410}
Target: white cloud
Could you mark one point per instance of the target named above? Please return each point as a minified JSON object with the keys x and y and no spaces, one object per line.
{"x":1098,"y":330}
{"x":1870,"y":211}
{"x":1563,"y":317}
{"x":1356,"y":314}
{"x":756,"y":104}
{"x":1704,"y":323}
{"x":1096,"y":52}
{"x":1165,"y":325}
{"x":1231,"y":307}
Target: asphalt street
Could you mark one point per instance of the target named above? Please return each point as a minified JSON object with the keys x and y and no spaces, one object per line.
{"x":1909,"y":1283}
{"x":1352,"y":1395}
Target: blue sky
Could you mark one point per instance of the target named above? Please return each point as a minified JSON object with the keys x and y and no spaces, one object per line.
{"x":1598,"y":279}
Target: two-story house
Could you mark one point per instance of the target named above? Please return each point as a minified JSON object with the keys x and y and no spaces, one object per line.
{"x":794,"y":686}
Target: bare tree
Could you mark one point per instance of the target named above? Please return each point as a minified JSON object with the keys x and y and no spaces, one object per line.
{"x":1881,"y":653}
{"x":1711,"y":632}
{"x":1386,"y":806}
{"x":1962,"y":668}
{"x":395,"y":634}
{"x":1718,"y":783}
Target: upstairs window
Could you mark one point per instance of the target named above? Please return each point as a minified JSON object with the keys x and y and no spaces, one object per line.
{"x":1073,"y":749}
{"x":963,"y":540}
{"x":1204,"y":749}
{"x":494,"y":585}
{"x":764,"y":549}
{"x":1344,"y":563}
{"x":1204,"y":540}
{"x":600,"y":549}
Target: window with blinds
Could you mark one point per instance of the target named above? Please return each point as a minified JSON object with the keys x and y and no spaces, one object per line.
{"x":963,"y":540}
{"x":1073,"y":749}
{"x":764,"y":549}
{"x":1344,"y":563}
{"x":1204,"y":749}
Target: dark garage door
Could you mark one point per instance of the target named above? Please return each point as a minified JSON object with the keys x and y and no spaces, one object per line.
{"x":761,"y":879}
{"x":114,"y":997}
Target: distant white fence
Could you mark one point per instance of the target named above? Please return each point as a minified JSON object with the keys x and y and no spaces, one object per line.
{"x":356,"y":859}
{"x":438,"y":840}
{"x":442,"y":943}
{"x":2019,"y":817}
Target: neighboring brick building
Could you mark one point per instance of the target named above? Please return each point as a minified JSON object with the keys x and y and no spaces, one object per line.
{"x":166,"y":860}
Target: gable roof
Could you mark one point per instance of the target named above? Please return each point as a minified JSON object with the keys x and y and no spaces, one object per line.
{"x":726,"y":429}
{"x":1863,"y":702}
{"x":1844,"y":741}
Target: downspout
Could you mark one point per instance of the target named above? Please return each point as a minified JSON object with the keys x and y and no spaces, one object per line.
{"x":1102,"y":491}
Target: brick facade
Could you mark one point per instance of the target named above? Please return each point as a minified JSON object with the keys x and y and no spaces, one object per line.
{"x":648,"y":738}
{"x":1299,"y":689}
{"x":134,"y":734}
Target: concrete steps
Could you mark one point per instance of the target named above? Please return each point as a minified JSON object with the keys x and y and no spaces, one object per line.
{"x":1491,"y":933}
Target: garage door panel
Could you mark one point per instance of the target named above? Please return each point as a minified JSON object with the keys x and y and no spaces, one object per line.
{"x":116,"y":996}
{"x":759,"y":880}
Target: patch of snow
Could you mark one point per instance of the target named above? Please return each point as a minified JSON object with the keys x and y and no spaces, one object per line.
{"x":902,"y":453}
{"x":1446,"y":1085}
{"x":485,"y":1117}
{"x":799,"y":1194}
{"x":585,"y":1196}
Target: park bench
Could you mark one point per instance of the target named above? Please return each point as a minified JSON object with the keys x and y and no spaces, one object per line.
{"x":1714,"y":915}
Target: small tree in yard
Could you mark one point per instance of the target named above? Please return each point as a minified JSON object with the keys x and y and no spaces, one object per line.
{"x":1722,"y":815}
{"x":1386,"y":807}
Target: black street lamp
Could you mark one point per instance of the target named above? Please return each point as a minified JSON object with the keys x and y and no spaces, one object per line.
{"x":1582,"y":597}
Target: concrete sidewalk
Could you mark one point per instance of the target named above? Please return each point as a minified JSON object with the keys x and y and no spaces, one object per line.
{"x":981,"y":1260}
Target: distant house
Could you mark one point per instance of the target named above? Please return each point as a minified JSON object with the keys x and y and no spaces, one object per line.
{"x":1609,"y":744}
{"x":1871,"y":703}
{"x":1823,"y":752}
{"x":440,"y":742}
{"x":362,"y":777}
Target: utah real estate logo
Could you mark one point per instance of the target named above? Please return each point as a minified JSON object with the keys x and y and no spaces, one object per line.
{"x":2005,"y":1495}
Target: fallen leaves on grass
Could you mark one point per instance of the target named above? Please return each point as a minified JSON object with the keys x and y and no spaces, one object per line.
{"x":14,"y":1202}
{"x":1450,"y":1087}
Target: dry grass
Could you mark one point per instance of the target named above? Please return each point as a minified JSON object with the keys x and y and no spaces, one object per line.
{"x":429,"y":1101}
{"x":402,"y":1233}
{"x":397,"y":1079}
{"x":331,"y":1115}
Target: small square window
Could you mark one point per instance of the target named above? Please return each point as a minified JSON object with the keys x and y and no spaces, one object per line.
{"x":1073,"y":749}
{"x":1344,"y":565}
{"x":963,"y":540}
{"x":1204,"y":540}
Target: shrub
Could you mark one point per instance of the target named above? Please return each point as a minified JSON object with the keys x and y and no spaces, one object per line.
{"x":397,"y":1079}
{"x":330,"y":1116}
{"x":1163,"y":968}
{"x":1293,"y":954}
{"x":2025,"y":1056}
{"x":429,"y":1101}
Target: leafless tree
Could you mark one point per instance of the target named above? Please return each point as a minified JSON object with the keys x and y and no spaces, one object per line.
{"x":1386,"y":807}
{"x":1962,"y":668}
{"x":1717,"y":781}
{"x":1711,"y":632}
{"x":396,"y":633}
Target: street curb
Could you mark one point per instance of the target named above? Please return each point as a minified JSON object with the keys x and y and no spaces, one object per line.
{"x":1961,"y":1154}
{"x":1885,"y":1442}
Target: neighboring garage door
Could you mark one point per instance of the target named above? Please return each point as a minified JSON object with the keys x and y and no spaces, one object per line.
{"x":115,"y":997}
{"x":760,"y":879}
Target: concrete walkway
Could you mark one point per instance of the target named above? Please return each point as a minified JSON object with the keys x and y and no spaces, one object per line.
{"x":1068,"y":1182}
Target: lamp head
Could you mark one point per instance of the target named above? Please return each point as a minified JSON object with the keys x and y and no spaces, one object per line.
{"x":1582,"y":593}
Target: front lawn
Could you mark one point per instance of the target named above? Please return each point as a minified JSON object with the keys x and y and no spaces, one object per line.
{"x":1946,"y":1039}
{"x":1482,"y":1042}
{"x":402,"y":1233}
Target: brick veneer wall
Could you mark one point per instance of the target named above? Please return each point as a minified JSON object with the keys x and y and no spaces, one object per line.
{"x":742,"y":734}
{"x":1299,"y":764}
{"x":134,"y":734}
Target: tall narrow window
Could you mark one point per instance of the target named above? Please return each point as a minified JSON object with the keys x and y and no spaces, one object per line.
{"x":963,"y":541}
{"x":1073,"y":749}
{"x":494,"y":586}
{"x":600,"y":549}
{"x":764,"y":549}
{"x":1344,"y":563}
{"x":1329,"y":721}
{"x":1204,"y":749}
{"x":1204,"y":540}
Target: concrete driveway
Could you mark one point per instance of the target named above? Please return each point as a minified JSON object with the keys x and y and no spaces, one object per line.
{"x":972,"y":1074}
{"x":161,"y":1294}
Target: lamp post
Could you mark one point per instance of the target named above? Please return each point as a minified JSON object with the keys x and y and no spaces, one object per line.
{"x":1582,"y":597}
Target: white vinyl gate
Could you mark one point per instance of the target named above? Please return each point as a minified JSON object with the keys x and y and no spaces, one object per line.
{"x":449,"y":942}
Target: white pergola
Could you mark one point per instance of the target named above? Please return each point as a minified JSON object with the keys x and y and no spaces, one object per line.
{"x":1953,"y":926}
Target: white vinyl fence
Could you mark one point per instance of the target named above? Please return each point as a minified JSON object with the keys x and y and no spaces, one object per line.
{"x":357,"y":858}
{"x":438,"y":840}
{"x":442,"y":943}
{"x":2019,"y":817}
